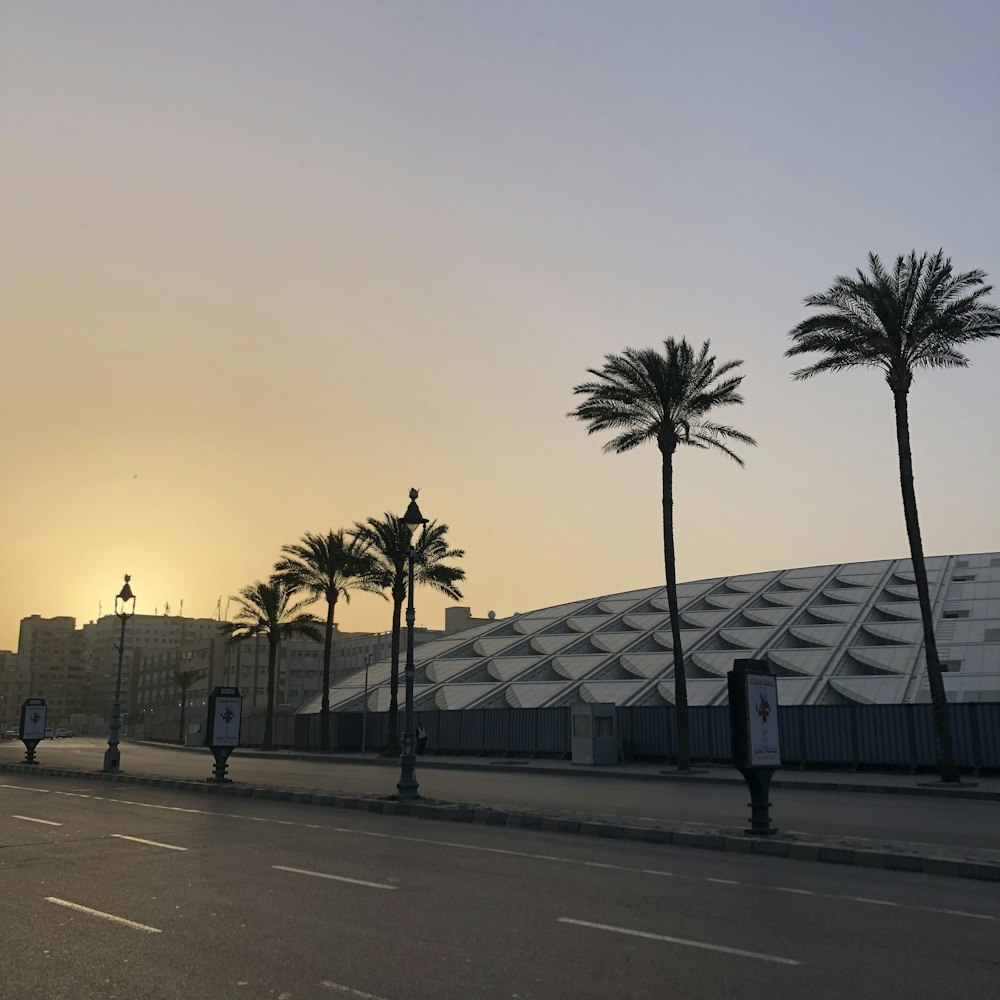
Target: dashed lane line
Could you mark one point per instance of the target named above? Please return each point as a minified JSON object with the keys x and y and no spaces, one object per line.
{"x":149,"y":843}
{"x":80,"y":908}
{"x":335,"y":878}
{"x":349,"y":991}
{"x":34,"y":819}
{"x":704,"y":945}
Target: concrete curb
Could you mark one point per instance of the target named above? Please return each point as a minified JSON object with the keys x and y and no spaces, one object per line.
{"x":797,"y":850}
{"x":582,"y":771}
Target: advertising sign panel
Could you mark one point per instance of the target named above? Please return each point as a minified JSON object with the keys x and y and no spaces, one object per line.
{"x":762,"y":720}
{"x":224,"y":718}
{"x":33,"y":719}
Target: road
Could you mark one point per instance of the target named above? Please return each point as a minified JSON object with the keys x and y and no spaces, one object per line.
{"x":855,"y":817}
{"x":248,"y":899}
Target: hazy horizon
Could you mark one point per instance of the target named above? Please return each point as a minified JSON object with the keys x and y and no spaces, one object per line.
{"x":267,"y":267}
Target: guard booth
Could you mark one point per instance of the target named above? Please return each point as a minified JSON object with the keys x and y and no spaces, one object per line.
{"x":593,"y":738}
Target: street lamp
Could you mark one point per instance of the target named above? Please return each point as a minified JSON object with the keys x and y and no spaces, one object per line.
{"x":407,"y":787}
{"x":112,"y":756}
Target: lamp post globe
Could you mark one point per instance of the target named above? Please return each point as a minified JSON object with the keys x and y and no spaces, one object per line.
{"x":407,"y":786}
{"x":112,"y":756}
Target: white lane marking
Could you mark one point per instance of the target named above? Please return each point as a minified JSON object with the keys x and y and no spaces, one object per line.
{"x":465,"y":847}
{"x":350,"y":991}
{"x":151,"y":843}
{"x":865,"y":899}
{"x":723,"y":881}
{"x":32,"y":819}
{"x":683,"y":941}
{"x":104,"y":916}
{"x":335,"y":878}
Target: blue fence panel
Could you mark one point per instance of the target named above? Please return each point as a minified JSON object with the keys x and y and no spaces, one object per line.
{"x":496,"y":729}
{"x":449,"y":731}
{"x":553,"y":730}
{"x":790,"y":734}
{"x":828,"y":735}
{"x":523,"y":730}
{"x":988,"y":724}
{"x":472,"y":730}
{"x":924,"y":740}
{"x":648,"y":731}
{"x":883,"y":735}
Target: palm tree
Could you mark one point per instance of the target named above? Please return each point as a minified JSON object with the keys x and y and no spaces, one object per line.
{"x":388,"y":541}
{"x":183,"y":679}
{"x":643,"y":395}
{"x":916,"y":316}
{"x":267,"y":609}
{"x":327,"y":566}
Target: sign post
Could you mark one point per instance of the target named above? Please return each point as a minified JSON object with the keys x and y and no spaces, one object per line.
{"x":753,"y":720}
{"x":32,"y":730}
{"x":225,"y":706}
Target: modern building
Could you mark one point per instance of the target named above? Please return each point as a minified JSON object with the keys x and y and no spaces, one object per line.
{"x":848,"y":633}
{"x":13,"y":688}
{"x":51,"y":655}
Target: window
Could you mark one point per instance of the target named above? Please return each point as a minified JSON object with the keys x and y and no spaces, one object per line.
{"x":963,"y":579}
{"x":963,"y":613}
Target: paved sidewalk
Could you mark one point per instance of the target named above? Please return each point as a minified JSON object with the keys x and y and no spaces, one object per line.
{"x":891,"y":783}
{"x":899,"y":855}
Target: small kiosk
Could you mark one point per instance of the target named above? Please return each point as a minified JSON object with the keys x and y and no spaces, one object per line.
{"x":225,"y":708}
{"x":753,"y":719}
{"x":32,"y":730}
{"x":593,"y":738}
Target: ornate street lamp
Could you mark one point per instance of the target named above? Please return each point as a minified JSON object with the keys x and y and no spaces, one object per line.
{"x":407,"y":787}
{"x":112,"y":756}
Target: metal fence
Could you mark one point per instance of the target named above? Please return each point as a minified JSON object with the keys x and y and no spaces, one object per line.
{"x":852,"y":736}
{"x":841,"y":736}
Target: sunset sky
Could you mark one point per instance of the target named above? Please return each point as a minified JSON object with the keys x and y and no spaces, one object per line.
{"x":266,"y":265}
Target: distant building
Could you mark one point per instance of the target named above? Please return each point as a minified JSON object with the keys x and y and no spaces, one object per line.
{"x":51,"y":656}
{"x":13,"y":688}
{"x":834,"y":635}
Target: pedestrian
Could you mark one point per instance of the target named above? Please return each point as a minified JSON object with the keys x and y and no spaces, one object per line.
{"x":421,"y":738}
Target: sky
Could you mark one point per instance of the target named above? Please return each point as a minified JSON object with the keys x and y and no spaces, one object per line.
{"x":265,"y":266}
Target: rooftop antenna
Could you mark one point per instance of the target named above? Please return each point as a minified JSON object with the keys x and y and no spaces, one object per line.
{"x":166,"y":607}
{"x":181,"y":612}
{"x":218,"y":609}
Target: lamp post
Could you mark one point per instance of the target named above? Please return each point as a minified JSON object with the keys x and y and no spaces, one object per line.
{"x":112,"y":756}
{"x":364,"y":714}
{"x":407,"y":787}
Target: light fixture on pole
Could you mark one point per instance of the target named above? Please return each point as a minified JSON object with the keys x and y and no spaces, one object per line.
{"x":112,"y":756}
{"x":407,"y":787}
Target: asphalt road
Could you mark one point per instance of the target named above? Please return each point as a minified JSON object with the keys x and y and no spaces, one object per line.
{"x":864,"y":818}
{"x":248,"y":899}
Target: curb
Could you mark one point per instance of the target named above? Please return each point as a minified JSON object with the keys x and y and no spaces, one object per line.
{"x":463,"y":813}
{"x":795,"y":784}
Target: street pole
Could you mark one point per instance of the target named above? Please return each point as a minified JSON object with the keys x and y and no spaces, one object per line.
{"x":364,"y":715}
{"x":407,"y":787}
{"x":112,"y":756}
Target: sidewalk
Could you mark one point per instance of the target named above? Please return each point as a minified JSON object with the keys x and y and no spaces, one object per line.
{"x":894,"y":854}
{"x":983,"y":788}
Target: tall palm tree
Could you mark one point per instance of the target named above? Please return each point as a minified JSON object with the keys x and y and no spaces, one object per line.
{"x":388,"y":541}
{"x":643,"y":395}
{"x":916,"y":316}
{"x":328,"y":567}
{"x":183,"y":679}
{"x":268,"y":609}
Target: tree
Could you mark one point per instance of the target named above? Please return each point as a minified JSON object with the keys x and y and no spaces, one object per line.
{"x":643,"y":395}
{"x":327,"y":566}
{"x":388,"y":542}
{"x":268,"y":609}
{"x":916,"y":316}
{"x":183,"y":679}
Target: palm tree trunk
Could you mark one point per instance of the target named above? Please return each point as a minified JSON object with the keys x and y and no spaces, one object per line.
{"x":670,"y":570}
{"x":392,"y":747}
{"x":272,"y":664}
{"x":324,"y":712}
{"x":939,"y":701}
{"x":181,"y":739}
